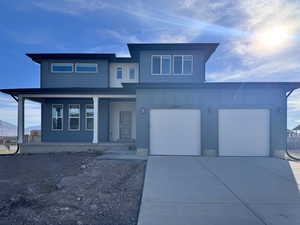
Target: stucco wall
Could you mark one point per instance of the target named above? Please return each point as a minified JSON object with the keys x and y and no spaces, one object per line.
{"x":209,"y":101}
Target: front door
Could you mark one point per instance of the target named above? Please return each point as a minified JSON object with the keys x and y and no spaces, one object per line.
{"x":125,"y":125}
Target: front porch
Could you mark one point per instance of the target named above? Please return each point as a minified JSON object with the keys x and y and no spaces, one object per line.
{"x":80,"y":119}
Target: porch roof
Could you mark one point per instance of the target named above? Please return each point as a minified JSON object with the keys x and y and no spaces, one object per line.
{"x":69,"y":91}
{"x":286,"y":86}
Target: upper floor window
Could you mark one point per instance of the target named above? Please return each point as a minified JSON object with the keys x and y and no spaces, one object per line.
{"x":74,"y":117}
{"x":161,"y":64}
{"x":131,"y":73}
{"x":86,"y":67}
{"x":57,"y":116}
{"x":62,"y":67}
{"x":183,"y":64}
{"x":119,"y":73}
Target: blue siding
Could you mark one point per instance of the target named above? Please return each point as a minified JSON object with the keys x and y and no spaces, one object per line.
{"x":74,"y":136}
{"x":209,"y":101}
{"x":96,"y":80}
{"x":198,"y":74}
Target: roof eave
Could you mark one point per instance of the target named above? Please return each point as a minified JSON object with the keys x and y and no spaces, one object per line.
{"x":39,"y":57}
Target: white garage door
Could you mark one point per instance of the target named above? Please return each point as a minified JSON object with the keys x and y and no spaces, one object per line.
{"x":175,"y":132}
{"x":244,"y":132}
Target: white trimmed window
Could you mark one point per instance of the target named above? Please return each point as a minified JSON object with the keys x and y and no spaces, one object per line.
{"x":89,"y":117}
{"x":57,"y":117}
{"x":161,"y":64}
{"x":119,"y":73}
{"x":74,"y":117}
{"x":132,"y":75}
{"x":183,"y":64}
{"x":86,"y":68}
{"x":62,"y":67}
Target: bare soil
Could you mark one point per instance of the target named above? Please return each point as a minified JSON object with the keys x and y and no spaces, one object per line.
{"x":69,"y":189}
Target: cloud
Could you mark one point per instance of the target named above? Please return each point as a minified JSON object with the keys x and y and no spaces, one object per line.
{"x":183,"y":23}
{"x":277,"y":70}
{"x":72,"y":7}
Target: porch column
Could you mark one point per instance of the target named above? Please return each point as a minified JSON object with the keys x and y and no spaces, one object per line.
{"x":20,"y":119}
{"x":96,"y":117}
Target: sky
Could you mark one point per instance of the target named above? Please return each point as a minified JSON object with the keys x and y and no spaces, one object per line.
{"x":259,"y":39}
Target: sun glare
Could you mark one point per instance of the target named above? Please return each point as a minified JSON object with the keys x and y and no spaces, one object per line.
{"x":273,"y":38}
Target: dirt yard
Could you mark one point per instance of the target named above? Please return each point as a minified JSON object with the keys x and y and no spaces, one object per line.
{"x":69,"y":189}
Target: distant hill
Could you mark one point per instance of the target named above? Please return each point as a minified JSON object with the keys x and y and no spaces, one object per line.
{"x":8,"y":129}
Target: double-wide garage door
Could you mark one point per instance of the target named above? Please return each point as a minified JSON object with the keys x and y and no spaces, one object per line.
{"x":241,"y":132}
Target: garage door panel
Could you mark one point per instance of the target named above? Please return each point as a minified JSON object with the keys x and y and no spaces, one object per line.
{"x":244,"y":132}
{"x":175,"y":132}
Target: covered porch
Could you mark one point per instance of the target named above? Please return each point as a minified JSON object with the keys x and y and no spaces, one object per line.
{"x":79,"y":119}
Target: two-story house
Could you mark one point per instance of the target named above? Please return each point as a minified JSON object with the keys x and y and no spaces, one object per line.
{"x":157,"y":99}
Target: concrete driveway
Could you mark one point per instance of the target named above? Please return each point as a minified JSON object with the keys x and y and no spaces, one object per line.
{"x":181,"y":190}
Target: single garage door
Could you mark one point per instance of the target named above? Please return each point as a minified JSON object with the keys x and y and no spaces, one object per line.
{"x":244,"y":132}
{"x":175,"y":132}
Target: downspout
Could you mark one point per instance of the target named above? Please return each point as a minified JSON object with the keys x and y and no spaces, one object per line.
{"x":286,"y":146}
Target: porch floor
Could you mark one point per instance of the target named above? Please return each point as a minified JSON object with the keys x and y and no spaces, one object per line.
{"x":55,"y":147}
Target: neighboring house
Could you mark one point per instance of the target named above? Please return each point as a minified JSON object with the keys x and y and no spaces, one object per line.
{"x":157,"y":99}
{"x":296,"y":130}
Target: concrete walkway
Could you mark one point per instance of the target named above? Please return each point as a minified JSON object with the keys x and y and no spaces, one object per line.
{"x":182,"y":190}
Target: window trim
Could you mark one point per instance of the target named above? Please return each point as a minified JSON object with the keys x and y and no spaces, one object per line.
{"x":86,"y":117}
{"x":62,"y":118}
{"x":69,"y":117}
{"x":94,"y":64}
{"x":117,"y":73}
{"x":182,"y":63}
{"x":61,"y":64}
{"x":161,"y":74}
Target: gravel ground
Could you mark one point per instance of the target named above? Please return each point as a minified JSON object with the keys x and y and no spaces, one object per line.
{"x":69,"y":189}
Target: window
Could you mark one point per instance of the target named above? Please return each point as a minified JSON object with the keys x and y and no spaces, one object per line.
{"x":131,"y":73}
{"x":166,"y":64}
{"x":177,"y":64}
{"x":156,"y":64}
{"x":161,"y":64}
{"x":187,"y":64}
{"x":183,"y":64}
{"x":61,"y":67}
{"x":57,"y":117}
{"x":89,"y":117}
{"x":119,"y":73}
{"x":74,"y":117}
{"x":86,"y":67}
